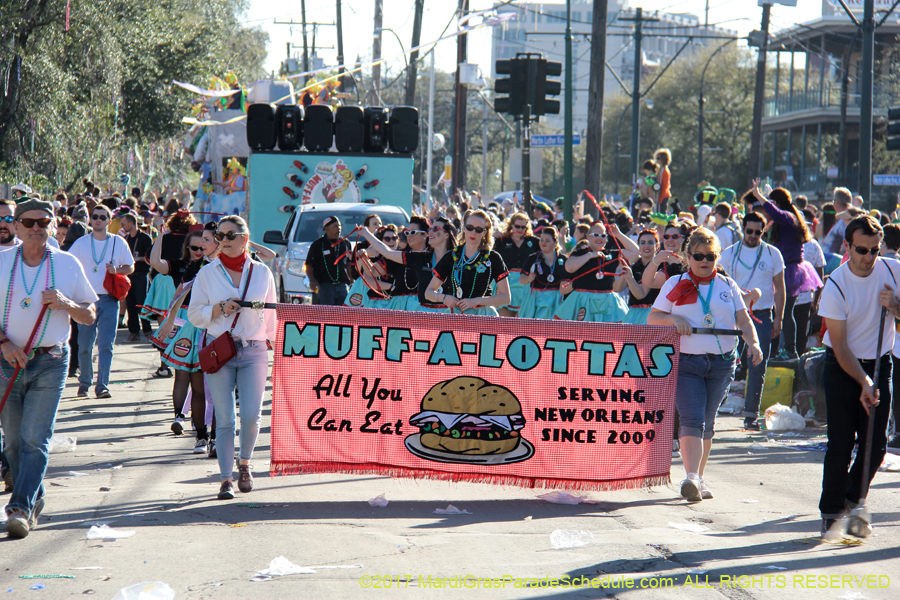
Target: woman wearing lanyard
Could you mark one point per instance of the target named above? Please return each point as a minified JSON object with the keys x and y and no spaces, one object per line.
{"x":701,"y":298}
{"x":788,"y":233}
{"x":593,"y":270}
{"x":215,"y":293}
{"x":471,"y":268}
{"x":544,"y":272}
{"x":640,"y":298}
{"x":514,"y":246}
{"x":371,"y":288}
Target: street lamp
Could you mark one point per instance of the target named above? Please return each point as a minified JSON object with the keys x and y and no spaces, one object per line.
{"x":701,"y":102}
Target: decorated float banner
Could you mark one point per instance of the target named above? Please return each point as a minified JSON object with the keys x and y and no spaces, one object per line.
{"x":277,"y":179}
{"x":533,"y":403}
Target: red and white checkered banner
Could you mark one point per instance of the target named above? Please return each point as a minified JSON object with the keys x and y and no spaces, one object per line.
{"x":534,"y":403}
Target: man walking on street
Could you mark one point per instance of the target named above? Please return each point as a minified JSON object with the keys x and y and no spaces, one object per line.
{"x":99,"y":254}
{"x":758,"y":268}
{"x":57,"y":280}
{"x":139,"y":243}
{"x":851,"y":304}
{"x":328,"y":278}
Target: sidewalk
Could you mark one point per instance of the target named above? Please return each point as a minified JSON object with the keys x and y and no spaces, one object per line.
{"x":764,"y":515}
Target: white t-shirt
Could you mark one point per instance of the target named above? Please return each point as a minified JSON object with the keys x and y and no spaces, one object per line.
{"x":51,"y":241}
{"x":725,"y":235}
{"x":812,"y":253}
{"x":114,"y":250}
{"x":68,"y":278}
{"x":848,"y":297}
{"x":725,"y":300}
{"x":740,"y":268}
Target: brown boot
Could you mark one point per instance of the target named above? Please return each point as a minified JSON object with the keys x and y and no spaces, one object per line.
{"x":245,"y":478}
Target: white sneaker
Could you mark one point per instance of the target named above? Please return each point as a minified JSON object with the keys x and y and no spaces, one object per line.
{"x":178,"y":426}
{"x":690,"y":488}
{"x":200,"y":447}
{"x":705,"y":491}
{"x":676,"y":449}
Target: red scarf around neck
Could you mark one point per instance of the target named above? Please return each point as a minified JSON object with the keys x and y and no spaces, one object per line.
{"x":685,"y":292}
{"x":234,"y":264}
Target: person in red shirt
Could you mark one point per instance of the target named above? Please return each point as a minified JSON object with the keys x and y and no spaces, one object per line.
{"x":663,"y":158}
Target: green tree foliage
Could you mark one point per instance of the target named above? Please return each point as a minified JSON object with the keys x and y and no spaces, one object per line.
{"x":77,"y":103}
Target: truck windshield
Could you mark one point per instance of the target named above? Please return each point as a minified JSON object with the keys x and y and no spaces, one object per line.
{"x":310,"y":226}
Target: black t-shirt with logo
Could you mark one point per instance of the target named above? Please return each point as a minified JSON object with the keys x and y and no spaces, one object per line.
{"x":140,"y":245}
{"x":321,"y":258}
{"x":543,"y":271}
{"x":586,"y":278}
{"x":515,"y":256}
{"x":422,"y":264}
{"x":477,"y":274}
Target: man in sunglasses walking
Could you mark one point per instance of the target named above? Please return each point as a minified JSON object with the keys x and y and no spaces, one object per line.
{"x":8,"y":237}
{"x":328,"y":277}
{"x":758,"y":268}
{"x":38,"y":275}
{"x":100,"y":253}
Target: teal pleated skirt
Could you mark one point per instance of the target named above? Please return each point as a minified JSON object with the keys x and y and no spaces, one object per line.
{"x":359,"y":296}
{"x":540,"y":304}
{"x":517,"y":291}
{"x":637,"y":315}
{"x":409,"y":302}
{"x":159,"y":297}
{"x":182,"y":351}
{"x":597,"y":307}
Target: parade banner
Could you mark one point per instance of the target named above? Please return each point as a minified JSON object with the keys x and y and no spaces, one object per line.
{"x":527,"y":402}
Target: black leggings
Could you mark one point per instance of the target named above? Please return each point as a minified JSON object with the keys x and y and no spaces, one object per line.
{"x":194,"y":380}
{"x":801,"y":317}
{"x":789,"y":325}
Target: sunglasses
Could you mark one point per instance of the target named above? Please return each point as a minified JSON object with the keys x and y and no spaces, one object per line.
{"x":471,"y":227}
{"x":597,"y":235}
{"x":862,"y":251}
{"x":8,"y":219}
{"x":196,"y":248}
{"x":230,"y":235}
{"x":753,"y":232}
{"x":674,"y":236}
{"x":389,"y":238}
{"x":701,"y":257}
{"x":647,"y":242}
{"x":100,"y":217}
{"x":520,"y":227}
{"x":42,"y":223}
{"x":409,"y":232}
{"x":435,"y":229}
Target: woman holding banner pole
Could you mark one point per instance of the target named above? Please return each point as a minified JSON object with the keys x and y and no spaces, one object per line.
{"x":700,"y":298}
{"x":471,"y":267}
{"x":214,"y":296}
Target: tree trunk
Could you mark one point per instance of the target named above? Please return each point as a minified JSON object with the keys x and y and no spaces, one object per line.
{"x":593,"y":151}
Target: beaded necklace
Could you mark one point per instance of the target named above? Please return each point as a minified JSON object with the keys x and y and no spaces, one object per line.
{"x":550,"y":277}
{"x":26,"y":302}
{"x":94,"y":253}
{"x":736,"y":258}
{"x":50,"y":283}
{"x":461,"y":263}
{"x":337,"y":272}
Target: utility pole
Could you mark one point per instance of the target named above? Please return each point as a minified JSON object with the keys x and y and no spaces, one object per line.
{"x":429,"y":141}
{"x":375,"y":91}
{"x":484,"y":145}
{"x":305,"y":48}
{"x":409,"y":97}
{"x":593,"y":155}
{"x":568,"y":191}
{"x":759,"y":96}
{"x":639,"y":21}
{"x":459,"y":116}
{"x":865,"y":101}
{"x":340,"y":43}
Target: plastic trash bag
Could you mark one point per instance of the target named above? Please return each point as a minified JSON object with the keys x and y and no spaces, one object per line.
{"x":562,"y":539}
{"x":378,"y":501}
{"x":147,"y":590}
{"x":105,"y":532}
{"x":733,"y":405}
{"x":779,"y":418}
{"x":62,"y":443}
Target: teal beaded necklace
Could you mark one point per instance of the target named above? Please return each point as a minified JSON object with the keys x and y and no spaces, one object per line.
{"x":461,"y":263}
{"x":50,"y":284}
{"x":97,"y":261}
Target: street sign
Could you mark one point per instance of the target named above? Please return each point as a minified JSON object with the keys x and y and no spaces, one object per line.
{"x":545,"y":141}
{"x":832,"y":173}
{"x":886,"y":179}
{"x":515,"y":165}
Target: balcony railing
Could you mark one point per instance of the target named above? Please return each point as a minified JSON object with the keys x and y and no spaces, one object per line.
{"x":830,"y":96}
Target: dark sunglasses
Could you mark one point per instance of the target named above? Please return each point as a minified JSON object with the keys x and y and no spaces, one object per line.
{"x":862,"y":251}
{"x":521,"y":227}
{"x":597,"y":235}
{"x":196,"y":248}
{"x":435,"y":229}
{"x":471,"y":227}
{"x":230,"y":236}
{"x":389,"y":238}
{"x":8,"y":219}
{"x":753,"y":232}
{"x":701,"y":257}
{"x":410,"y":232}
{"x":42,"y":223}
{"x":100,"y":217}
{"x":674,"y":236}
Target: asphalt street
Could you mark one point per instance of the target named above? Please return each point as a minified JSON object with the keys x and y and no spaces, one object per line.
{"x":757,"y":539}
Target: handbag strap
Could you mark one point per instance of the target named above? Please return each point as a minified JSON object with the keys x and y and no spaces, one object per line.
{"x":243,"y":297}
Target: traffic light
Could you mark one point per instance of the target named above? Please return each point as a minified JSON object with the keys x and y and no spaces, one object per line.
{"x":893,"y":129}
{"x":513,"y":86}
{"x":544,"y":87}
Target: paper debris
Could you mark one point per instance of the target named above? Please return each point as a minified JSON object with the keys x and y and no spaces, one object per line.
{"x":692,"y":527}
{"x":281,"y":566}
{"x":378,"y":501}
{"x":557,"y":497}
{"x":698,"y":572}
{"x":562,"y":539}
{"x":450,"y":510}
{"x":774,"y":568}
{"x":107,"y":533}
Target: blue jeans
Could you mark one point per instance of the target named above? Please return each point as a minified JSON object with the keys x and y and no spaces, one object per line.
{"x":756,"y":376}
{"x":28,"y":420}
{"x":103,"y":331}
{"x":248,"y":372}
{"x":703,"y":380}
{"x":331,"y":294}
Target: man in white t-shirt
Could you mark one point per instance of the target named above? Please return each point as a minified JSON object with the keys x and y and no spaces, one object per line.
{"x":100,"y":253}
{"x":39,"y":275}
{"x":851,"y":304}
{"x":758,"y":268}
{"x":725,"y":228}
{"x":833,"y":241}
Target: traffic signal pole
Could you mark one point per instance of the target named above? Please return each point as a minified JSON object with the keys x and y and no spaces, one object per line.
{"x":526,"y":156}
{"x":759,"y":96}
{"x":636,"y":95}
{"x":865,"y":101}
{"x":568,"y":186}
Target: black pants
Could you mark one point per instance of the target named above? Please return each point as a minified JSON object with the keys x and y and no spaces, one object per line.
{"x":73,"y":346}
{"x":135,"y":298}
{"x":847,"y":423}
{"x":801,"y":318}
{"x":895,"y":402}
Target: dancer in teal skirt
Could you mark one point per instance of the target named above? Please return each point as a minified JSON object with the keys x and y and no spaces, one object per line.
{"x":515,"y":245}
{"x":593,"y":270}
{"x":640,"y":297}
{"x":543,"y":272}
{"x":470,"y":268}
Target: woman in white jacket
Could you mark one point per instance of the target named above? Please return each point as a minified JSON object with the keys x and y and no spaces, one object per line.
{"x":214,"y":306}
